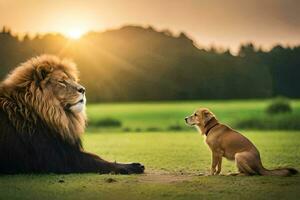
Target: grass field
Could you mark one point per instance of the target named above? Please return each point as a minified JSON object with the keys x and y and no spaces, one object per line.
{"x":175,"y":161}
{"x":143,"y":116}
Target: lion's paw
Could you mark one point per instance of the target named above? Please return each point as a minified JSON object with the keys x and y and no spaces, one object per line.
{"x":133,"y":168}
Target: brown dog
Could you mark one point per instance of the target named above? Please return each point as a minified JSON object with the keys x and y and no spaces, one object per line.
{"x":226,"y":142}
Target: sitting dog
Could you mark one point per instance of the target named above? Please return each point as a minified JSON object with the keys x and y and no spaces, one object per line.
{"x":226,"y":142}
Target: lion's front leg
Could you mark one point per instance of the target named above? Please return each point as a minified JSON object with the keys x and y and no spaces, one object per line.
{"x":131,"y":168}
{"x":104,"y":167}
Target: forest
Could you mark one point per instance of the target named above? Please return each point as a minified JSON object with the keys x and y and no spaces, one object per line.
{"x":135,"y":63}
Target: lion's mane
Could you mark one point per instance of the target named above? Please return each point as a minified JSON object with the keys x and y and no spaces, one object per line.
{"x":24,"y":101}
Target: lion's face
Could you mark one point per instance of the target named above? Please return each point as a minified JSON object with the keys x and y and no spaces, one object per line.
{"x":66,"y":90}
{"x":50,"y":81}
{"x":48,"y":86}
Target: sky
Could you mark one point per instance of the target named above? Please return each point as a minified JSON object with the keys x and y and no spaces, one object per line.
{"x":222,"y":23}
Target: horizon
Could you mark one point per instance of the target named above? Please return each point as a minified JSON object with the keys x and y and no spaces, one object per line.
{"x":208,"y":23}
{"x":76,"y":36}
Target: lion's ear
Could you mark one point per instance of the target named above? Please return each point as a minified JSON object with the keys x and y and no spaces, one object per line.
{"x":42,"y":71}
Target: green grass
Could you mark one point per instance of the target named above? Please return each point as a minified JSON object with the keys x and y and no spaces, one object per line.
{"x":173,"y":162}
{"x":143,"y":116}
{"x":185,"y":151}
{"x":281,"y":121}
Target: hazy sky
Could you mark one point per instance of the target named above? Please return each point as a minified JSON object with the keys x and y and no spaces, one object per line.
{"x":221,"y":22}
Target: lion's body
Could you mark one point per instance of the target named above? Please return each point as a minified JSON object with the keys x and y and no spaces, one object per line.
{"x":41,"y":120}
{"x":36,"y":151}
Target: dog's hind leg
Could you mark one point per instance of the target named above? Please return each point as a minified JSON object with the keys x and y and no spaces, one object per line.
{"x":245,"y":163}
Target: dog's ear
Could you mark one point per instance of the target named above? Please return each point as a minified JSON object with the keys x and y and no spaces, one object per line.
{"x":207,"y":115}
{"x":41,"y":72}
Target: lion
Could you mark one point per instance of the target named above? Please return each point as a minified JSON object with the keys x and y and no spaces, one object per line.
{"x":42,"y":112}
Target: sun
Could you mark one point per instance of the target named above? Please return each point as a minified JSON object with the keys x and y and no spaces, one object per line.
{"x":74,"y":33}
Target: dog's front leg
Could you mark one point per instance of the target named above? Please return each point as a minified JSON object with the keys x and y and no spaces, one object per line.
{"x":219,"y":157}
{"x":216,"y":160}
{"x":219,"y":166}
{"x":213,"y":163}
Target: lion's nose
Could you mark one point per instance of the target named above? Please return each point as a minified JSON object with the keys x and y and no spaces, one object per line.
{"x":186,"y":119}
{"x":81,"y":90}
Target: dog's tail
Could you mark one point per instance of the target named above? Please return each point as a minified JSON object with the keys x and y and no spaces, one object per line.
{"x":278,"y":172}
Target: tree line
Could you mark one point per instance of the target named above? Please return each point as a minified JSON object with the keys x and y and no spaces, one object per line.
{"x":135,"y":64}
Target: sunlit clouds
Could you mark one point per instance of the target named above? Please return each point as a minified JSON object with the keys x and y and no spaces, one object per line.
{"x":208,"y":22}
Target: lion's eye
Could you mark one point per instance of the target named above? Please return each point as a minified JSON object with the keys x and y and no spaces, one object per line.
{"x":195,"y":114}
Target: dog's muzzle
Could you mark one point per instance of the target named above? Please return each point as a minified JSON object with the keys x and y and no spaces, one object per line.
{"x":186,"y":119}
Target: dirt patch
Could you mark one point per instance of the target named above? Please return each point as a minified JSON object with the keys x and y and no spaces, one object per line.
{"x":164,"y":178}
{"x":110,"y":180}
